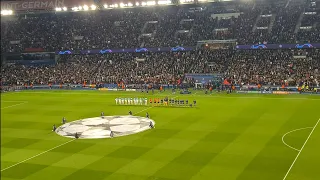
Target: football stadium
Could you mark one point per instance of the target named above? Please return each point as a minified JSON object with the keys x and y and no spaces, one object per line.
{"x":160,"y":90}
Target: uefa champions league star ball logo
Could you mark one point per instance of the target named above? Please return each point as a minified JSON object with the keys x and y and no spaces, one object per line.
{"x":106,"y":127}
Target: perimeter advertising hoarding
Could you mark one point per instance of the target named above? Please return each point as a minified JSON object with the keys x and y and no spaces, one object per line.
{"x":41,"y":4}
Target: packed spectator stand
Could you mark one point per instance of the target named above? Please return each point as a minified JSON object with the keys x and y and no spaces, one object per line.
{"x":242,"y":67}
{"x":162,"y":26}
{"x":167,"y":26}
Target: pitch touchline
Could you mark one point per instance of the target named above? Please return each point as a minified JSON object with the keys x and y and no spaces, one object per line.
{"x":14,"y":105}
{"x":314,"y":127}
{"x":36,"y":155}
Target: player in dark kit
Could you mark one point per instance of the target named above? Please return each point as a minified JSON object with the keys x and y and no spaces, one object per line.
{"x":76,"y":135}
{"x":147,"y":115}
{"x":187,"y":102}
{"x":64,"y":120}
{"x":111,"y":134}
{"x":130,"y":113}
{"x":173,"y":91}
{"x":54,"y":128}
{"x":182,"y":102}
{"x":194,"y":102}
{"x":102,"y":115}
{"x":151,"y":124}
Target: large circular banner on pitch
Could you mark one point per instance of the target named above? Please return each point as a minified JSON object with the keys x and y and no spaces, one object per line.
{"x":101,"y":127}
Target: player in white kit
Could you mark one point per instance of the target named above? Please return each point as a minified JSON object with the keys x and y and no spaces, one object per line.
{"x":131,"y":101}
{"x":117,"y":100}
{"x":145,"y":101}
{"x":135,"y":100}
{"x":140,"y":101}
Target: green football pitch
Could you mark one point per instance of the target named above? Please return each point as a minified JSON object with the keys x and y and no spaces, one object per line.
{"x":226,"y":137}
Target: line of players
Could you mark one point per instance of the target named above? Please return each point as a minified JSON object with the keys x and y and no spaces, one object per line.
{"x":132,"y":101}
{"x":155,"y":101}
{"x":171,"y":102}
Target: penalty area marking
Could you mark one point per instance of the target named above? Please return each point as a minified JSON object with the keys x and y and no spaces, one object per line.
{"x":292,"y":132}
{"x":14,"y":104}
{"x":314,"y":127}
{"x":36,"y":155}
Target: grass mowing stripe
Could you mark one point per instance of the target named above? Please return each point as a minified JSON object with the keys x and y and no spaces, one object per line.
{"x":36,"y":155}
{"x":301,"y":150}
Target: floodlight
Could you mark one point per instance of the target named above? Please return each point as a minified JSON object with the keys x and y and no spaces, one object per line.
{"x":75,"y":9}
{"x":93,"y":7}
{"x":85,"y":7}
{"x":65,"y":8}
{"x":121,"y":5}
{"x":137,"y":4}
{"x":163,"y":2}
{"x":130,"y":4}
{"x":143,"y":3}
{"x":80,"y":7}
{"x":151,"y":3}
{"x":105,"y":6}
{"x":116,"y":5}
{"x":58,"y":9}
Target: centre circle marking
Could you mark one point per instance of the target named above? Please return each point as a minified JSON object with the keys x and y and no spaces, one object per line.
{"x":292,"y":132}
{"x":101,"y":127}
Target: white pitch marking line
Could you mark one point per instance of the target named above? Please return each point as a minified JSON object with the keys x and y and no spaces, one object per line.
{"x":14,"y":105}
{"x":292,"y":132}
{"x":196,"y":95}
{"x":13,"y":101}
{"x":314,"y":127}
{"x":36,"y":155}
{"x":143,"y":110}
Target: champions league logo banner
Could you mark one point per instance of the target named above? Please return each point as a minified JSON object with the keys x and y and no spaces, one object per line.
{"x":190,"y":48}
{"x":280,"y":46}
{"x":128,"y":50}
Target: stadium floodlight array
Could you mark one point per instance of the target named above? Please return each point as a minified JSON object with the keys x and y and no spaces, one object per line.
{"x":120,"y":5}
{"x":84,"y":8}
{"x":61,"y":9}
{"x":144,"y":3}
{"x":151,"y":3}
{"x":186,"y":1}
{"x":6,"y":12}
{"x":164,"y":2}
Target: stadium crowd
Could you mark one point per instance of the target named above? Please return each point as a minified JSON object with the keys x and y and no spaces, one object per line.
{"x":173,"y":26}
{"x":241,"y":67}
